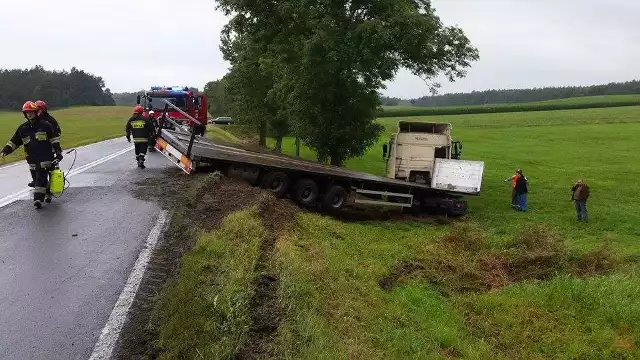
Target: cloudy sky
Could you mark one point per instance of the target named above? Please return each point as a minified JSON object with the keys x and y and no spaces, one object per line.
{"x":522,"y":43}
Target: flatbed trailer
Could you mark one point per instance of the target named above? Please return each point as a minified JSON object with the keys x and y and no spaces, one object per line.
{"x":307,"y":182}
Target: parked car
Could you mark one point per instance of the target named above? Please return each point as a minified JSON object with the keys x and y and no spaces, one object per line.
{"x":226,"y":120}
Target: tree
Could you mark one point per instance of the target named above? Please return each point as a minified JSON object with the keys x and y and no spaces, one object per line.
{"x":249,"y":84}
{"x":328,"y":59}
{"x":217,"y":98}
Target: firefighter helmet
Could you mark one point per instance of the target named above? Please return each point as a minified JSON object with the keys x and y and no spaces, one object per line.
{"x":29,"y":106}
{"x":138,"y":109}
{"x":42,"y":105}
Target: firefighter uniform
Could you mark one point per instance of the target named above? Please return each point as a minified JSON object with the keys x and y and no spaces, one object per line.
{"x":40,"y":143}
{"x":141,"y":129}
{"x":57,"y":131}
{"x":56,"y":134}
{"x":43,"y":114}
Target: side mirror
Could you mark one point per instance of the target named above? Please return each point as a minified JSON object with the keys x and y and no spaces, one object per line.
{"x":137,"y":99}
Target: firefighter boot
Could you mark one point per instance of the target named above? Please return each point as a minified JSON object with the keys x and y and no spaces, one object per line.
{"x":48,"y":196}
{"x":140,"y":159}
{"x":37,"y":204}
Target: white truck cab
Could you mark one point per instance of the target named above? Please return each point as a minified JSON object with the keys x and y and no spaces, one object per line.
{"x":423,"y":152}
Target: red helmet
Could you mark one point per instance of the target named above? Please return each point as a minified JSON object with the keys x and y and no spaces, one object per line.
{"x":42,"y":105}
{"x":138,"y":109}
{"x":29,"y":106}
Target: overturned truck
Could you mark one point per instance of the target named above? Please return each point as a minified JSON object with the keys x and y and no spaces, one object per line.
{"x":424,"y":172}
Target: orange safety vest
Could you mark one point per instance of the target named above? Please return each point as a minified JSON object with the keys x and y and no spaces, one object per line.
{"x":514,"y":179}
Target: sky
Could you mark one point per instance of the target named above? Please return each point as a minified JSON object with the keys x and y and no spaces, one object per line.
{"x":522,"y":43}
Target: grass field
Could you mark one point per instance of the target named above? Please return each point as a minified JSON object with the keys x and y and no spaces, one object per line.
{"x":80,"y":125}
{"x":585,"y":102}
{"x":500,"y":284}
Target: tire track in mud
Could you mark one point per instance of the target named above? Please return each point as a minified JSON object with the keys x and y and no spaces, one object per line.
{"x":266,"y":309}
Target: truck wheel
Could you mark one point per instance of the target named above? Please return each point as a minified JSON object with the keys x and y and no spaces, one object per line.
{"x":277,"y":182}
{"x":305,"y":192}
{"x":334,"y":199}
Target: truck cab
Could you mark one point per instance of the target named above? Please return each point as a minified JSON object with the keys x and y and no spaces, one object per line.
{"x":195,"y":105}
{"x":413,"y":149}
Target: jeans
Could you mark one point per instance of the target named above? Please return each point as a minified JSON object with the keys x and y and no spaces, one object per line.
{"x":581,"y":210}
{"x":522,"y":202}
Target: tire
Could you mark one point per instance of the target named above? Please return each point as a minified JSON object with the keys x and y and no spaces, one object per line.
{"x":277,"y":182}
{"x":334,"y":199}
{"x":305,"y":192}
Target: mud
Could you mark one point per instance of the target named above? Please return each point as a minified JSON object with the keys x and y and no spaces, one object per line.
{"x":464,"y":261}
{"x":265,"y":307}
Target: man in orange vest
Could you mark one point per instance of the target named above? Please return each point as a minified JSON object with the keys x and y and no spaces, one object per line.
{"x":514,"y":180}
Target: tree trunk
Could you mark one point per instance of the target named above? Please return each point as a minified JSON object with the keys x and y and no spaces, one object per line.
{"x":278,"y":144}
{"x":297,"y":147}
{"x":336,"y":160}
{"x":263,"y":133}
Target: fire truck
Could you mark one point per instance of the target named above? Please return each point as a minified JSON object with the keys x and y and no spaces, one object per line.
{"x":189,"y":103}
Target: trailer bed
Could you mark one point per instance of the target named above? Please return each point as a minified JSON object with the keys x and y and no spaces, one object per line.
{"x":175,"y":145}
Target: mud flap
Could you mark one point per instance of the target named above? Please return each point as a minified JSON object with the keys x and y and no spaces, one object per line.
{"x":175,"y":156}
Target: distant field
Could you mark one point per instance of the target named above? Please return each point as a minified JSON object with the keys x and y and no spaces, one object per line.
{"x":80,"y":125}
{"x":585,"y":102}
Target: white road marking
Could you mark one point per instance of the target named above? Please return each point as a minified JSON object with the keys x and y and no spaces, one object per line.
{"x":17,"y":196}
{"x":111,"y":331}
{"x":12,"y":165}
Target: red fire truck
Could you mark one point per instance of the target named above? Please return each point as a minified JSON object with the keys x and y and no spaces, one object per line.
{"x":193,"y":104}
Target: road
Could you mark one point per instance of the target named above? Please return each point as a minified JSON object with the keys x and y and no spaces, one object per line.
{"x":62,"y":268}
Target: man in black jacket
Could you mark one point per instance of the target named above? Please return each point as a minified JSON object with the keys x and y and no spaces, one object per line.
{"x":521,"y":190}
{"x":141,"y":129}
{"x":40,"y":144}
{"x":43,"y":114}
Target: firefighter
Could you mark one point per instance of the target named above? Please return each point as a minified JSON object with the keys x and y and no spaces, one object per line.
{"x":141,"y":129}
{"x":40,"y":144}
{"x":154,"y":126}
{"x":43,"y":114}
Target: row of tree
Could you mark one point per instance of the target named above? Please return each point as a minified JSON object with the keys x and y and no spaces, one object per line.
{"x":525,"y":95}
{"x":313,"y":69}
{"x":57,"y":88}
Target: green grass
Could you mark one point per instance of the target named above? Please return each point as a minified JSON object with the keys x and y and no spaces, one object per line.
{"x":80,"y":125}
{"x":218,"y":133}
{"x":331,"y":268}
{"x":497,"y":284}
{"x":586,"y":102}
{"x":204,"y":312}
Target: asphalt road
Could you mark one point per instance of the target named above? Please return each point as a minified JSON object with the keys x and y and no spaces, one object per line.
{"x":63,"y":267}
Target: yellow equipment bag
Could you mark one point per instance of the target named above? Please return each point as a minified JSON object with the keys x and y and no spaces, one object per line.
{"x":56,"y":181}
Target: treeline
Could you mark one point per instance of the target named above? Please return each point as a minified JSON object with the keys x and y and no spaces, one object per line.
{"x":57,"y":88}
{"x":126,"y":98}
{"x":527,"y":95}
{"x":505,"y":108}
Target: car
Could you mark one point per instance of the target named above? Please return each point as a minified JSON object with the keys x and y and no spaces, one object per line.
{"x":221,"y":120}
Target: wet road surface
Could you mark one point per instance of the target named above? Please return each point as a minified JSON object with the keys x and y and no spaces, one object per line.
{"x":63,"y":267}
